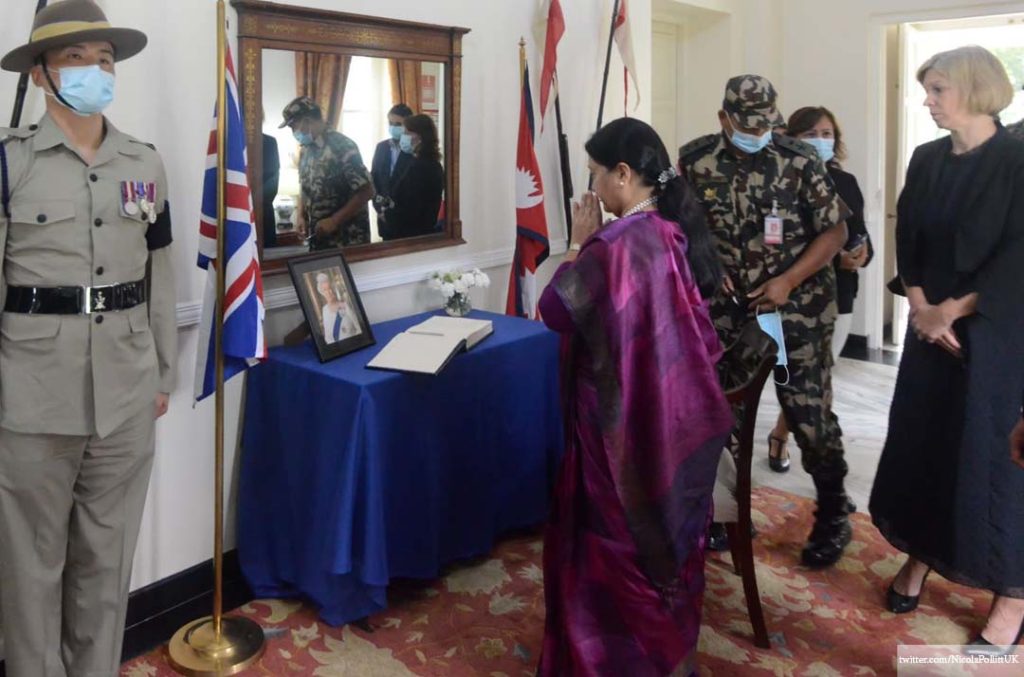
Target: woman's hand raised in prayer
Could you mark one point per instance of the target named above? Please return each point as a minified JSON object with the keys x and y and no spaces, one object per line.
{"x":586,"y":217}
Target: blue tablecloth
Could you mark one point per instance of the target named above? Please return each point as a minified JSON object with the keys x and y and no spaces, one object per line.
{"x":351,"y":476}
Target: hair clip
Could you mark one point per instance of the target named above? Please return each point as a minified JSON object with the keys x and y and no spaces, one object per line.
{"x":667,"y":175}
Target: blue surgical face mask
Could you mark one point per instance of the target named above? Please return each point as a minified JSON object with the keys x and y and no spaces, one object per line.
{"x":750,"y":143}
{"x":396,"y":132}
{"x":405,"y":143}
{"x":826,"y":147}
{"x":86,"y":89}
{"x":771,"y":324}
{"x":304,"y":138}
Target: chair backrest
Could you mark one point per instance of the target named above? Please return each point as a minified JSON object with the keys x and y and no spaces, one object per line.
{"x":743,"y":370}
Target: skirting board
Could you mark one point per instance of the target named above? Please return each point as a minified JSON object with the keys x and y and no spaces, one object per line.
{"x":158,"y":610}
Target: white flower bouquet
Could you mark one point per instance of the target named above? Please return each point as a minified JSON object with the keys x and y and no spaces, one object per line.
{"x":454,"y":286}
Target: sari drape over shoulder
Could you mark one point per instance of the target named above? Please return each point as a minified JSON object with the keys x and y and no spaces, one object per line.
{"x":645,"y":422}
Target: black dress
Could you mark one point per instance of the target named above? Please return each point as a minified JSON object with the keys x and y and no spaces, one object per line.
{"x":848,"y":280}
{"x":946,"y":491}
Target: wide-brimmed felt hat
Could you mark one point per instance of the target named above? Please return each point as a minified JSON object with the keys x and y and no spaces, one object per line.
{"x":69,"y":22}
{"x":750,"y":100}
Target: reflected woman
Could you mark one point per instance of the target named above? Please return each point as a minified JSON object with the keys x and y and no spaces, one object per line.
{"x":416,"y":191}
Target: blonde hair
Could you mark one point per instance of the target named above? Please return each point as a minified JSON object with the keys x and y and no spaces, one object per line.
{"x":977,"y":74}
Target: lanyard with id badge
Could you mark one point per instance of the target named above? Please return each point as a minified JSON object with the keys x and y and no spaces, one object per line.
{"x":773,"y":225}
{"x":771,"y":323}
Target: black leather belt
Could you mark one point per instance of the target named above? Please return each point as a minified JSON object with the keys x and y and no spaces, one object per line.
{"x":75,"y":300}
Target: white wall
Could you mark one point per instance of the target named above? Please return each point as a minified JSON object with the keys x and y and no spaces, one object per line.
{"x":833,"y":56}
{"x":166,"y":96}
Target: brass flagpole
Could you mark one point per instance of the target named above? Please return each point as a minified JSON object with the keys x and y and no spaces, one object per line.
{"x":216,"y":645}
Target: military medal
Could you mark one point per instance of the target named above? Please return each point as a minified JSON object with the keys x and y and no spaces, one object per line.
{"x":128,"y":199}
{"x":151,"y":198}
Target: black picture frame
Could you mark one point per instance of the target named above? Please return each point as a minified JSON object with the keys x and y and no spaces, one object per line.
{"x":349,"y":331}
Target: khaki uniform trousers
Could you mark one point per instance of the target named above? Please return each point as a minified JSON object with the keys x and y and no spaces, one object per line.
{"x":70,"y":511}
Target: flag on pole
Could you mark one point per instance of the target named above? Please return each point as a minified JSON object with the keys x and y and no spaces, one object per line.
{"x":243,"y":341}
{"x":555,"y":30}
{"x":531,"y":223}
{"x":623,"y":35}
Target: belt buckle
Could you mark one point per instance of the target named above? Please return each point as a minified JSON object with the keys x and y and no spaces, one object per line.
{"x":100,"y":302}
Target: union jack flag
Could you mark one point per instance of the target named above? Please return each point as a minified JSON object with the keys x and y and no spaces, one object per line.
{"x":243,"y":341}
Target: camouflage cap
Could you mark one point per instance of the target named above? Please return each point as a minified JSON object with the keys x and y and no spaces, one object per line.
{"x":299,"y":108}
{"x":750,"y":102}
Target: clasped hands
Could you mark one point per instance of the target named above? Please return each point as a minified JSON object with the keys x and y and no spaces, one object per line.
{"x":934,"y":324}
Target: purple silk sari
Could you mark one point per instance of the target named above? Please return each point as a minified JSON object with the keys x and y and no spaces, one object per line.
{"x":645,"y":423}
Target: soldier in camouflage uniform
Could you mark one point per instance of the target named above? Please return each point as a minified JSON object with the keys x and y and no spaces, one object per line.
{"x":336,"y":187}
{"x":743,"y":176}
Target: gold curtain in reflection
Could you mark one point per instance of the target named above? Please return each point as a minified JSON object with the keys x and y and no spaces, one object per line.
{"x":405,"y":83}
{"x":322,"y":77}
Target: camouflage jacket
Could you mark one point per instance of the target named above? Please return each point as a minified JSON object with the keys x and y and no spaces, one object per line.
{"x":330,"y":173}
{"x":739,"y":192}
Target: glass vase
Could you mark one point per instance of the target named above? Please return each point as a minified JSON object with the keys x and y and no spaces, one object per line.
{"x":458,"y":305}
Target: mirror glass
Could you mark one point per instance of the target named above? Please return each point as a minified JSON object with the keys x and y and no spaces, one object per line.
{"x":368,"y":172}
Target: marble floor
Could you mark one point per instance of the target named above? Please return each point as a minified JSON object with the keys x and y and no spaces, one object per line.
{"x":863,"y":391}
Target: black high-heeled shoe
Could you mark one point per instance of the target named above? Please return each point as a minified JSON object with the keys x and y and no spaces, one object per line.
{"x":778,"y":463}
{"x":899,"y":603}
{"x":980,"y":646}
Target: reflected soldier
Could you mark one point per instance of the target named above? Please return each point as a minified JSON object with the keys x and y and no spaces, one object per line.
{"x":335,"y":184}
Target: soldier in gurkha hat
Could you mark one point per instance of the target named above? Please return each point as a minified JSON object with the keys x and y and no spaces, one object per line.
{"x":87,"y":349}
{"x":777,"y":223}
{"x":336,"y":187}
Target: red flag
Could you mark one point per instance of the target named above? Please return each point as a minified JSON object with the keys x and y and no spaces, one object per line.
{"x":624,"y":40}
{"x":531,"y":222}
{"x":555,"y":30}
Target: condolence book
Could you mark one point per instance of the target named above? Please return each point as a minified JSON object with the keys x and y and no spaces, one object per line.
{"x":428,"y":346}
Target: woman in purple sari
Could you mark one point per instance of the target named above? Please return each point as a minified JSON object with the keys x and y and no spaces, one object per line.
{"x":645,"y":419}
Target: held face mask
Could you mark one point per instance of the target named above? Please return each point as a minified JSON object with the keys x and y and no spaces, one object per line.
{"x":771,"y":324}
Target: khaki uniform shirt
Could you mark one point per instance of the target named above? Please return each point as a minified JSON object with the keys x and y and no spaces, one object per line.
{"x":80,"y":374}
{"x":739,"y":192}
{"x":331,"y":172}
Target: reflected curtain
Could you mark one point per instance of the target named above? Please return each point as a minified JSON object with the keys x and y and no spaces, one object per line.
{"x":322,"y":77}
{"x":405,"y":83}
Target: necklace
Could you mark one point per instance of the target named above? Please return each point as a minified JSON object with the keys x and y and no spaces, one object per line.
{"x":640,"y":206}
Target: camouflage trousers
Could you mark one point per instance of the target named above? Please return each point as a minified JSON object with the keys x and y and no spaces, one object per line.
{"x":806,"y":399}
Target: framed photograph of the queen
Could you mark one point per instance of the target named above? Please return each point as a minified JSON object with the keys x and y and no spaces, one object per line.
{"x":330,"y":303}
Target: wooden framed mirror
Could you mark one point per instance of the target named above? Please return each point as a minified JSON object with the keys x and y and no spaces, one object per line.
{"x":358,"y":69}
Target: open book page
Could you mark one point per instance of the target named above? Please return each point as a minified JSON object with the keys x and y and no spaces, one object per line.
{"x":473,"y":331}
{"x":421,"y":353}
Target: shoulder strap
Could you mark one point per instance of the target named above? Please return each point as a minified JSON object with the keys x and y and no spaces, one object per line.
{"x":5,"y":192}
{"x":698,"y":145}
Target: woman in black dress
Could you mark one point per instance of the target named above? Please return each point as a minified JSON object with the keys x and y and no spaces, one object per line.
{"x":817,"y":126}
{"x":417,"y":187}
{"x":947,"y":493}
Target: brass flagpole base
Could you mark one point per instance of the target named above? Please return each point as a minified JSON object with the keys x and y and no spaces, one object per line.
{"x":195,"y":651}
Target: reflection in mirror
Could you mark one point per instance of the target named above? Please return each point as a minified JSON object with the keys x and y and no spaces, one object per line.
{"x":363,"y":164}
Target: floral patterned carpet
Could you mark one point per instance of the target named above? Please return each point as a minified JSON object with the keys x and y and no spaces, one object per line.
{"x":486,"y":617}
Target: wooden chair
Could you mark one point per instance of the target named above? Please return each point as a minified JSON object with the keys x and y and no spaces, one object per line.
{"x":743,"y":370}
